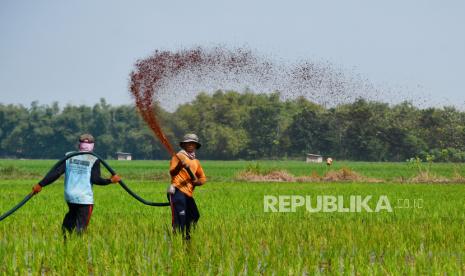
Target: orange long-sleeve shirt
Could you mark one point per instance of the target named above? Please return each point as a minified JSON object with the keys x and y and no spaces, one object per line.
{"x":182,"y":180}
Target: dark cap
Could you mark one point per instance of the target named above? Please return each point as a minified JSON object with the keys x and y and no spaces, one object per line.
{"x":87,"y":138}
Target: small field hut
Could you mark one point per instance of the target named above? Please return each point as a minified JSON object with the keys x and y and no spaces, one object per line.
{"x":314,"y":158}
{"x":123,"y":156}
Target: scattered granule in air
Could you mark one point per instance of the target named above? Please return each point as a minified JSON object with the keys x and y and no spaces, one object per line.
{"x":175,"y":77}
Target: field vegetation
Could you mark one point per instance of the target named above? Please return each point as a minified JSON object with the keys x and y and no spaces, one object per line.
{"x":423,"y":235}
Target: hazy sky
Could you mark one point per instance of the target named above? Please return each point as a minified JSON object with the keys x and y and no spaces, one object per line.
{"x":79,"y":51}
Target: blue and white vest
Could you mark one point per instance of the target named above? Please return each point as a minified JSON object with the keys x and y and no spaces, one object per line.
{"x":78,"y":188}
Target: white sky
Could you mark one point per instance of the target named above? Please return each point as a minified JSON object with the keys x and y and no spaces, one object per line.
{"x":81,"y":51}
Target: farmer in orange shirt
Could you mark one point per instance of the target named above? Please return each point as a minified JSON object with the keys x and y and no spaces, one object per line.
{"x":183,"y":208}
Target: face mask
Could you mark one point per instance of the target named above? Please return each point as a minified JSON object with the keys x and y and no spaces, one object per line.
{"x":83,"y":146}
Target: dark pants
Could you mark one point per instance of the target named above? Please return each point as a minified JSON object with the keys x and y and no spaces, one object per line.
{"x":184,"y":212}
{"x":77,"y":218}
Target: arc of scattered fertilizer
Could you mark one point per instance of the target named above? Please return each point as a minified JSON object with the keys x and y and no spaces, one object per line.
{"x":105,"y":164}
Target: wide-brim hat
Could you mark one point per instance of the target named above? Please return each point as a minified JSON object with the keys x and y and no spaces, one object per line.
{"x":190,"y":138}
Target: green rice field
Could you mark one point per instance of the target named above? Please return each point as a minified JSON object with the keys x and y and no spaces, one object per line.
{"x":424,"y":233}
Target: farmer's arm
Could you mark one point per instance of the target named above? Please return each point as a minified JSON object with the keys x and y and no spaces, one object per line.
{"x":201,"y":178}
{"x":96,"y":177}
{"x":53,"y":174}
{"x":175,"y":166}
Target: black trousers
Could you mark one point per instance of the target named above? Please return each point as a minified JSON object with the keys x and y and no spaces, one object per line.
{"x":77,"y":218}
{"x":184,"y":212}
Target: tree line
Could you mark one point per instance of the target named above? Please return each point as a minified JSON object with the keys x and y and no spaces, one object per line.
{"x":234,"y":125}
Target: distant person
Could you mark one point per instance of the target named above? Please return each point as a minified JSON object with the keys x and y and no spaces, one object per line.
{"x":183,"y":208}
{"x":81,"y":172}
{"x":329,"y":161}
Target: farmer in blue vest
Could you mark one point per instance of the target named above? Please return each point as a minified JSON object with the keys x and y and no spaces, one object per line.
{"x":81,"y":172}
